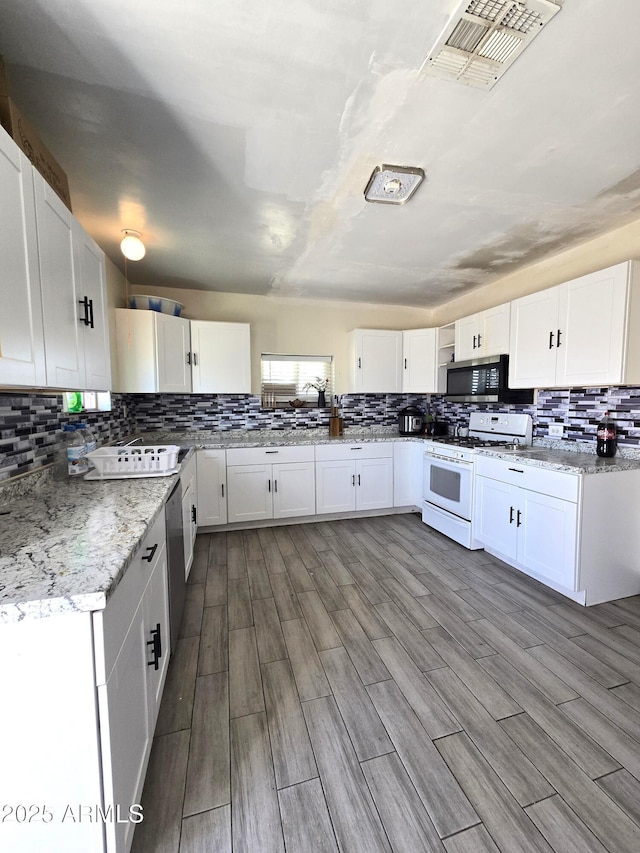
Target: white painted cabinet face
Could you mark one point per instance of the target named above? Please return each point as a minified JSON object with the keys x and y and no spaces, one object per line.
{"x":580,"y":333}
{"x":282,"y":490}
{"x":92,"y":287}
{"x":173,"y":349}
{"x":376,"y":361}
{"x":407,"y":468}
{"x":420,"y":361}
{"x":221,"y":355}
{"x":21,"y":332}
{"x":212,"y":487}
{"x":483,"y":334}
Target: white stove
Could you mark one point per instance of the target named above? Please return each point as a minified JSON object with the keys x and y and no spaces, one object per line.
{"x":448,"y":471}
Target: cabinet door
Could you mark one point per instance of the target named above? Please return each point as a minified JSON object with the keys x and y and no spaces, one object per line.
{"x":173,"y":353}
{"x":374,"y":481}
{"x":212,"y":497}
{"x":294,"y":489}
{"x":547,"y":537}
{"x":188,"y":525}
{"x":377,"y":359}
{"x":21,"y":334}
{"x":157,"y":637}
{"x":495,"y":516}
{"x":495,"y":330}
{"x":467,"y":331}
{"x":126,"y":730}
{"x":407,"y":470}
{"x":249,"y":492}
{"x":335,"y":486}
{"x":221,"y":358}
{"x":532,"y":351}
{"x":592,"y":327}
{"x":62,"y":313}
{"x":419,"y":361}
{"x":91,"y":285}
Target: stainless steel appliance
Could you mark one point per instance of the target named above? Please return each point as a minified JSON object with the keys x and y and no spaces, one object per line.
{"x":484,"y":380}
{"x":175,"y":560}
{"x":411,"y":421}
{"x":448,"y":471}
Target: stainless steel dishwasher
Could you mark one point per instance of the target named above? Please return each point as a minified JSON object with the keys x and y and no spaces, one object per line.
{"x":175,"y":560}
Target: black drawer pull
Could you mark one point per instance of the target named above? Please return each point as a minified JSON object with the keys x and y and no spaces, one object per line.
{"x":272,"y":451}
{"x":152,"y":550}
{"x":156,"y":646}
{"x":194,"y":514}
{"x":517,"y":470}
{"x":510,"y":515}
{"x":518,"y":515}
{"x":550,"y":340}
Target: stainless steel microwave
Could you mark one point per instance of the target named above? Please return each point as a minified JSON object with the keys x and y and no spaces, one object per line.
{"x":484,"y":380}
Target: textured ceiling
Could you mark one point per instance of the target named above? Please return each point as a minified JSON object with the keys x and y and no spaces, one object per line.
{"x":238,"y":137}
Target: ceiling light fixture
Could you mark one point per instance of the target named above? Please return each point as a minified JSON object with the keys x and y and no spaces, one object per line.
{"x":132,"y":246}
{"x":393,"y":184}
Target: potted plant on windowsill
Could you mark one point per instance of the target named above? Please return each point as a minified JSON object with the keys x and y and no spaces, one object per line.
{"x":320,"y":385}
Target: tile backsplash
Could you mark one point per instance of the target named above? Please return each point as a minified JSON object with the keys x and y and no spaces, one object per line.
{"x":31,"y":424}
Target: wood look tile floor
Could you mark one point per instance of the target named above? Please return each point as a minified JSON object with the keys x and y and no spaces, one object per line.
{"x":368,"y":685}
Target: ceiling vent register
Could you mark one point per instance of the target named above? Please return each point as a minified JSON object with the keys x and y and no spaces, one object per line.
{"x":484,"y":37}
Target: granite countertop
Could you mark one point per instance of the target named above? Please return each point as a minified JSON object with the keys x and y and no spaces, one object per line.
{"x":65,"y":546}
{"x":564,"y":459}
{"x":212,"y":440}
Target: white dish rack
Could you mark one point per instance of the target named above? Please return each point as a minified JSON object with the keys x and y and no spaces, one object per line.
{"x":117,"y":463}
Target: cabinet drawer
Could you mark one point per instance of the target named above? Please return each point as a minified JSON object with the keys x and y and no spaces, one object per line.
{"x":271,"y":455}
{"x":122,"y":605}
{"x":517,"y":472}
{"x":354,"y":450}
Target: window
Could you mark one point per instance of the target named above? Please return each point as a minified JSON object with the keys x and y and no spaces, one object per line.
{"x":284,"y":379}
{"x":86,"y":401}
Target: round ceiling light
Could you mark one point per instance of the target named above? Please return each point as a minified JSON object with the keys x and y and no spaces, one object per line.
{"x":132,"y":246}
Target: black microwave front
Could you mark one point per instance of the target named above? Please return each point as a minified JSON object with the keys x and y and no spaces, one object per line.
{"x":484,"y":380}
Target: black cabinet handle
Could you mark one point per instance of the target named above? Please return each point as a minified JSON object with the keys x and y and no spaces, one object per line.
{"x":517,"y":470}
{"x":87,"y":319}
{"x":355,"y":448}
{"x":222,"y":487}
{"x":518,"y":515}
{"x":188,"y":358}
{"x":156,"y":646}
{"x":272,"y":451}
{"x":479,"y":341}
{"x":405,"y":364}
{"x":358,"y":479}
{"x":353,"y":479}
{"x":359,"y":363}
{"x":269,"y":485}
{"x":550,"y":340}
{"x":194,"y":514}
{"x":275,"y":485}
{"x":510,"y":515}
{"x":91,"y":313}
{"x":195,"y":359}
{"x":474,"y":341}
{"x":558,"y":338}
{"x":152,"y":550}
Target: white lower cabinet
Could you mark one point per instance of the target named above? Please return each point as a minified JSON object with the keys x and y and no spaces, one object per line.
{"x":354,"y":477}
{"x":268,"y":483}
{"x":578,"y":533}
{"x":85,"y":692}
{"x":212,"y":487}
{"x":407,"y":472}
{"x":189,"y":480}
{"x":534,"y":530}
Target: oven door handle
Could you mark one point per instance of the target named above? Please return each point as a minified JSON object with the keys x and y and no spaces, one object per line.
{"x":448,"y":459}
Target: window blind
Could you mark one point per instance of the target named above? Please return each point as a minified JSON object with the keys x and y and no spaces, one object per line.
{"x":284,"y":378}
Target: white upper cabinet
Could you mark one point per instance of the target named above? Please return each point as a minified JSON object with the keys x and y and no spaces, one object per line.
{"x":21,"y":336}
{"x":582,"y":332}
{"x":420,"y":361}
{"x":154,"y":352}
{"x":376,"y":361}
{"x":483,"y":334}
{"x":221,"y":357}
{"x":91,"y":289}
{"x":161,"y":353}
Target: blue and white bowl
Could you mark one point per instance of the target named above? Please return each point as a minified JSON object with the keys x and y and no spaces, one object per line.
{"x":156,"y":303}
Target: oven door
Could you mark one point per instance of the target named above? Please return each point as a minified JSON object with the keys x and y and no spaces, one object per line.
{"x":447,"y":483}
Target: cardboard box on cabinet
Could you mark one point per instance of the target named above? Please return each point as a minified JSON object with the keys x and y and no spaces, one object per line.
{"x":27,"y":137}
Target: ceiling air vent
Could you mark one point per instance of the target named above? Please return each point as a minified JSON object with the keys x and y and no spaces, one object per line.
{"x":484,"y":37}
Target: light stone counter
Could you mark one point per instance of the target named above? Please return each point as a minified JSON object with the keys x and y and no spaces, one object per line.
{"x":570,"y":460}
